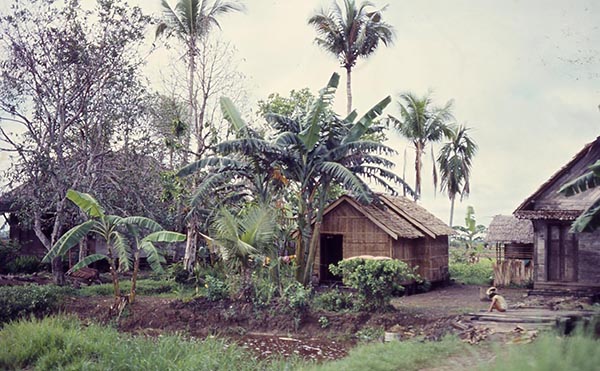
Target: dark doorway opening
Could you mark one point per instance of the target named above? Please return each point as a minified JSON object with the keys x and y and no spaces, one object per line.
{"x":332,"y":252}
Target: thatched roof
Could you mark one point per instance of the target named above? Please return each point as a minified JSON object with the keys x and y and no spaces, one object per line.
{"x":398,"y":216}
{"x":547,"y":203}
{"x":508,"y":229}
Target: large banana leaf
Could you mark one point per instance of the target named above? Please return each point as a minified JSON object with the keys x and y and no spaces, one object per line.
{"x":86,"y":203}
{"x":231,"y":114}
{"x":143,"y":222}
{"x":120,"y":243}
{"x":361,"y":127}
{"x":153,"y":256}
{"x":589,"y":220}
{"x":584,"y":182}
{"x":86,"y":261}
{"x":164,"y":236}
{"x":68,"y":240}
{"x":311,"y":128}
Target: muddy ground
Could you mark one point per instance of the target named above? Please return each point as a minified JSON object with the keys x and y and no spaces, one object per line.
{"x":274,"y":330}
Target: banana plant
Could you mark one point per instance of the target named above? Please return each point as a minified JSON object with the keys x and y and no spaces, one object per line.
{"x":110,"y":228}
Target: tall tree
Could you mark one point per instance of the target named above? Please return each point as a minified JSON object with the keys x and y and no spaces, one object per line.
{"x":455,"y":160}
{"x":69,"y":92}
{"x":191,"y":21}
{"x":422,"y":123}
{"x":349,"y":34}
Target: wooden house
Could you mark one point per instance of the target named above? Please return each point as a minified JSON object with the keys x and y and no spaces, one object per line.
{"x":396,"y":228}
{"x":513,"y":241}
{"x":562,"y":259}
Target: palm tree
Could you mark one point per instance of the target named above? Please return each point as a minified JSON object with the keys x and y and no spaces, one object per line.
{"x":421,"y":123}
{"x":455,"y":160}
{"x":351,"y":33}
{"x":589,"y":220}
{"x":191,"y":21}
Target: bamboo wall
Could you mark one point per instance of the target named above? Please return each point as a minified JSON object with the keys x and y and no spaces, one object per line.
{"x":362,"y":237}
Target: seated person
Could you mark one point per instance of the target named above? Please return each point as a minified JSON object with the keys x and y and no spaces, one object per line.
{"x":498,"y":302}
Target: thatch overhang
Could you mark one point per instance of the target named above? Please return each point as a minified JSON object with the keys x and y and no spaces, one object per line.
{"x":417,"y":215}
{"x":387,"y":220}
{"x":508,"y":229}
{"x":547,"y":203}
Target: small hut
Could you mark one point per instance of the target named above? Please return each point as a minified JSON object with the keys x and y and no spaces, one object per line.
{"x":513,"y":239}
{"x":395,"y":227}
{"x":562,"y":259}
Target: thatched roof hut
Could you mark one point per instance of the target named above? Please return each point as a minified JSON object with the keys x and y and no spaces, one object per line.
{"x":394,"y":227}
{"x":507,"y":229}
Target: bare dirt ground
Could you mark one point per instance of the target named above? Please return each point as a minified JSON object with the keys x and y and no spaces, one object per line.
{"x":274,"y":331}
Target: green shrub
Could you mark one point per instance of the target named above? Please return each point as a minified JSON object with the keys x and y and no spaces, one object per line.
{"x":334,"y":301}
{"x":178,"y":272}
{"x":480,"y":273}
{"x":9,"y":250}
{"x":143,"y":287}
{"x":24,"y":264}
{"x":375,"y":280}
{"x":19,"y":301}
{"x":297,"y":296}
{"x":216,"y":289}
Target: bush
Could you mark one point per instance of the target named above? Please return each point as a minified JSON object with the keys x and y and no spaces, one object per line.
{"x":375,"y":280}
{"x":297,"y":296}
{"x":178,"y":273}
{"x":9,"y":250}
{"x":334,"y":301}
{"x":25,"y":264}
{"x":216,"y":289}
{"x":19,"y":301}
{"x":480,"y":273}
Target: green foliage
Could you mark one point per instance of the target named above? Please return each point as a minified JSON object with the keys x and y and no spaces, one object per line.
{"x":9,"y":251}
{"x":551,"y":352}
{"x":178,"y":273}
{"x":143,"y":286}
{"x":480,"y":273}
{"x":323,"y":322}
{"x":216,"y":289}
{"x":375,"y":280}
{"x":334,"y":301}
{"x":63,"y":343}
{"x":396,"y":355}
{"x":297,"y":297}
{"x":369,"y":334}
{"x":19,"y":301}
{"x":25,"y":264}
{"x":589,"y":220}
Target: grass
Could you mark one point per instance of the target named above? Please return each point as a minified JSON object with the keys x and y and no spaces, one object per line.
{"x":63,"y":343}
{"x":551,"y":352}
{"x":143,"y":287}
{"x":405,"y":355}
{"x":480,"y":273}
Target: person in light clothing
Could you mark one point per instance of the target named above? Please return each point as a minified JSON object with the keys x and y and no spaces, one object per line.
{"x":498,"y":301}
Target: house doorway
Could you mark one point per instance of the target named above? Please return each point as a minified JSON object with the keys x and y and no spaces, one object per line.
{"x":332,"y":252}
{"x":561,"y":254}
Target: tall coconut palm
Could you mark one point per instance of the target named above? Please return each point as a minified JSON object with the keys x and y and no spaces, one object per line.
{"x":190,"y":21}
{"x":350,"y":34}
{"x":455,"y":160}
{"x":422,"y":123}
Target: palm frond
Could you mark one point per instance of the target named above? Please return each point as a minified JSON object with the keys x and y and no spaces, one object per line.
{"x":143,"y":222}
{"x":86,"y":203}
{"x":310,"y":133}
{"x":588,"y":180}
{"x":153,"y":256}
{"x":361,"y":127}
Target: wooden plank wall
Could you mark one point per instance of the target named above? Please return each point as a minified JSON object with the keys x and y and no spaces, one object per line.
{"x":589,"y":257}
{"x":430,"y":255}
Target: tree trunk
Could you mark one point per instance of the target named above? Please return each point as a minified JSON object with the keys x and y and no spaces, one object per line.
{"x":83,"y":249}
{"x":191,"y":246}
{"x":316,"y":233}
{"x":418,"y":167}
{"x":57,"y":271}
{"x":136,"y":268}
{"x":451,"y":209}
{"x":349,"y":89}
{"x":301,"y":242}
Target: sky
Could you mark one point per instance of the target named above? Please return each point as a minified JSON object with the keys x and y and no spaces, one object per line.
{"x":524,"y":75}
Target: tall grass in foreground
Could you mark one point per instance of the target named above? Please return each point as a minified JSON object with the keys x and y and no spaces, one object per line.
{"x":551,"y":352}
{"x":63,"y":343}
{"x":405,"y":355}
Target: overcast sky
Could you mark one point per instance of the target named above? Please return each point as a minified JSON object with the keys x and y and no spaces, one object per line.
{"x":525,"y":75}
